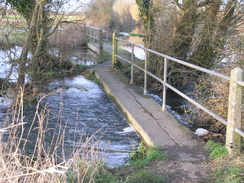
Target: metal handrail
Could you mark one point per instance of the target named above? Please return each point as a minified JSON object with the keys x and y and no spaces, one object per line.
{"x":98,"y":29}
{"x":93,"y":37}
{"x":178,"y":92}
{"x":183,"y":62}
{"x":164,"y":82}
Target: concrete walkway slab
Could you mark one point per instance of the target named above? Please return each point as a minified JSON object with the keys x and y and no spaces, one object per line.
{"x":154,"y":126}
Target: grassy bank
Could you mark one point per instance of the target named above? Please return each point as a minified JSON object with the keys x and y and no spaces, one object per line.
{"x":50,"y":164}
{"x":224,"y":168}
{"x":137,"y":171}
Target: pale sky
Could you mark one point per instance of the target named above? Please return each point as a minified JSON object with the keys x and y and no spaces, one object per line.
{"x":75,"y":5}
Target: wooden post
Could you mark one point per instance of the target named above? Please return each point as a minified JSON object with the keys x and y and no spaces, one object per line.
{"x":145,"y":73}
{"x":115,"y":50}
{"x":165,"y":81}
{"x":233,"y":140}
{"x":101,"y":45}
{"x":132,"y":66}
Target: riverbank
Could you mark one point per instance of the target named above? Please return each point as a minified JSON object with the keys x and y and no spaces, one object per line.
{"x":154,"y":165}
{"x":156,"y":128}
{"x":181,"y":167}
{"x":73,"y":123}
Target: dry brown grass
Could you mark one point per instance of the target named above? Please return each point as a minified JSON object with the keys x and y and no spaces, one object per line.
{"x":46,"y":163}
{"x":69,"y":35}
{"x":213,"y":92}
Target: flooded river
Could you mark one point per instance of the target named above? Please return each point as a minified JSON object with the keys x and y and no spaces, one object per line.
{"x":85,"y":111}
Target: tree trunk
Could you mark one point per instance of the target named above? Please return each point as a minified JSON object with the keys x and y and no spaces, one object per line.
{"x":146,"y":15}
{"x":185,"y":30}
{"x":225,"y":24}
{"x":25,"y":51}
{"x":205,"y":51}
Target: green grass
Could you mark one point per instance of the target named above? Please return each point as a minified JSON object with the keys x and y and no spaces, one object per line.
{"x":228,"y":169}
{"x":144,"y":155}
{"x":135,"y":172}
{"x":217,"y":150}
{"x":107,"y":55}
{"x":90,"y":74}
{"x":144,"y":176}
{"x":17,"y":36}
{"x":230,"y":174}
{"x":105,"y":177}
{"x":71,"y":177}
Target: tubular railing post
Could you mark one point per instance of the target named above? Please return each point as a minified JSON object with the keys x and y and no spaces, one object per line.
{"x":90,"y":35}
{"x":115,"y":50}
{"x":233,"y":140}
{"x":94,"y":35}
{"x":165,"y":81}
{"x":97,"y":37}
{"x":145,"y":73}
{"x":132,"y":66}
{"x":101,"y":44}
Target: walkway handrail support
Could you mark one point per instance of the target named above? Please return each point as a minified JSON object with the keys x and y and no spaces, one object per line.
{"x":96,"y":39}
{"x":115,"y":50}
{"x":145,"y":74}
{"x":234,"y":130}
{"x":132,"y":65}
{"x":101,"y":44}
{"x":92,"y":29}
{"x":165,"y":81}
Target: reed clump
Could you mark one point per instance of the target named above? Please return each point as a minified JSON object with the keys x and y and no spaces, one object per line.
{"x":48,"y":161}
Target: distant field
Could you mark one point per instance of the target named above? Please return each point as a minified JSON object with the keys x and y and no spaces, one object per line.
{"x":15,"y":27}
{"x":20,"y":18}
{"x":69,"y":17}
{"x":12,"y":17}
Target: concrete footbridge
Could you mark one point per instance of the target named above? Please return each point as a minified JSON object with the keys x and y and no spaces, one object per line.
{"x":152,"y":122}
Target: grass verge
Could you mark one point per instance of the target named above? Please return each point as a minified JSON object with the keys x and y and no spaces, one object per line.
{"x":217,"y":150}
{"x":224,"y":168}
{"x":137,"y":171}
